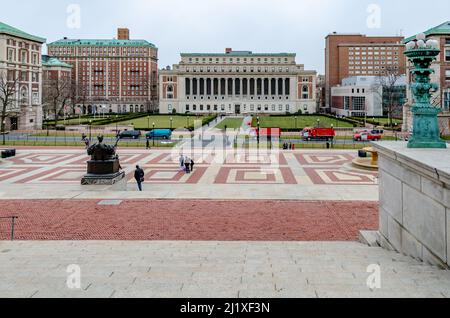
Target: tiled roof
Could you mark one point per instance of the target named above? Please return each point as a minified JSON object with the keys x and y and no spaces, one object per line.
{"x":7,"y":29}
{"x":443,"y":28}
{"x":238,"y":54}
{"x":53,"y":61}
{"x":87,"y":42}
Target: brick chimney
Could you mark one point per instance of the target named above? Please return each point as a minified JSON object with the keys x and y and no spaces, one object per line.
{"x":228,"y":50}
{"x":123,"y":34}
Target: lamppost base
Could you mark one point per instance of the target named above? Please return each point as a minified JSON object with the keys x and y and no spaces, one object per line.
{"x":412,"y":144}
{"x":426,"y":132}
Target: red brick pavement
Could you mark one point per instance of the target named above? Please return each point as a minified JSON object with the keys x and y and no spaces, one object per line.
{"x":189,"y":220}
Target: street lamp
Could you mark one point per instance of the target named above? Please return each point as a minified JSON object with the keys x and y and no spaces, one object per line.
{"x":90,"y":129}
{"x":46,"y":119}
{"x":171,"y":123}
{"x":3,"y":131}
{"x":258,"y":131}
{"x":187,"y":122}
{"x":296,"y":122}
{"x":117,"y":124}
{"x":318,"y":123}
{"x":153,"y":134}
{"x":395,"y":131}
{"x":148,"y":122}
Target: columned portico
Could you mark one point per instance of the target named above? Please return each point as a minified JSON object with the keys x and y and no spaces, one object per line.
{"x":257,"y":83}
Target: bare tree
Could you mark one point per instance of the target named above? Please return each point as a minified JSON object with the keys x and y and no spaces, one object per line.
{"x":57,"y":93}
{"x":7,"y":98}
{"x":388,"y":86}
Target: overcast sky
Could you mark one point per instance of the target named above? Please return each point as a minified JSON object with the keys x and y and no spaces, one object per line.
{"x":294,"y":26}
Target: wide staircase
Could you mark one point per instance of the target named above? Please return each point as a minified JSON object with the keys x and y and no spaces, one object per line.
{"x":213,"y":269}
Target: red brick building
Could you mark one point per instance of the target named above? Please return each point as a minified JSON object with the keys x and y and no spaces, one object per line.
{"x":349,"y":55}
{"x":57,"y":86}
{"x":111,"y":75}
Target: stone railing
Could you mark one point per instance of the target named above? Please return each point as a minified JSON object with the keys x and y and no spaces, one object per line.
{"x":415,"y":201}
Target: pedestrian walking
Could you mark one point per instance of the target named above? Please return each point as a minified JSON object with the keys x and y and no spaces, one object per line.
{"x":187,"y":164}
{"x":147,"y":144}
{"x":192,"y":165}
{"x":182,"y":162}
{"x":87,"y":142}
{"x":139,"y":176}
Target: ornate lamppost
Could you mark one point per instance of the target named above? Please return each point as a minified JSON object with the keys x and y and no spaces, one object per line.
{"x":153,"y":134}
{"x":425,"y":122}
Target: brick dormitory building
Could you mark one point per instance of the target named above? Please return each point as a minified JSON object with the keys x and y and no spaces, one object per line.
{"x":118,"y":75}
{"x":349,"y":58}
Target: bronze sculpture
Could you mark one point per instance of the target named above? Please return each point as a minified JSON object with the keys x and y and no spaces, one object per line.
{"x":101,"y":151}
{"x":104,"y":166}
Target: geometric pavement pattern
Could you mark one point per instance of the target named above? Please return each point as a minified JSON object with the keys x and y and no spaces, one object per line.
{"x":55,"y":166}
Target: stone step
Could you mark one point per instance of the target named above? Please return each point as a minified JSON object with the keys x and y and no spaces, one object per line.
{"x":214,"y":269}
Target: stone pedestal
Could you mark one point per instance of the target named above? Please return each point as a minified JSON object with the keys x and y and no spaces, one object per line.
{"x":103,"y":173}
{"x":415,"y":201}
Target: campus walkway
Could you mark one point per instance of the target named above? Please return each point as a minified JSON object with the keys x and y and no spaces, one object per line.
{"x":213,"y":269}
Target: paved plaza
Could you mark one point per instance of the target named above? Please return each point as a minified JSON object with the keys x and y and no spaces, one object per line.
{"x":293,"y":175}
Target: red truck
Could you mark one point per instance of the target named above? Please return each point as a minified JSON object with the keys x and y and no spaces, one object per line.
{"x":327,"y":134}
{"x":368,"y":135}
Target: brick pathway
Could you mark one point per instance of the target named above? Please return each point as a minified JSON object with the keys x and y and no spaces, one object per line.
{"x":213,"y":220}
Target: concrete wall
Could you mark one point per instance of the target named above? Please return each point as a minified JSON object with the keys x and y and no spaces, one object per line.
{"x":415,"y":201}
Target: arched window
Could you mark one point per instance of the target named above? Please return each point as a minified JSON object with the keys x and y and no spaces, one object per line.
{"x":24,"y":94}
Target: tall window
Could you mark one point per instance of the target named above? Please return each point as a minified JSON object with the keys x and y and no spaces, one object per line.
{"x":288,"y":86}
{"x":10,"y":55}
{"x":305,"y":92}
{"x":359,"y":103}
{"x":346,"y":102}
{"x":446,"y":101}
{"x":188,"y":86}
{"x":170,"y":92}
{"x":447,"y":55}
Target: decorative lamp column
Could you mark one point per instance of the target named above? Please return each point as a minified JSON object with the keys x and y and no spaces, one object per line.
{"x":426,"y":132}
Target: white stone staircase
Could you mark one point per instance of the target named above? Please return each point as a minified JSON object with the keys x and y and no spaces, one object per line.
{"x":213,"y":269}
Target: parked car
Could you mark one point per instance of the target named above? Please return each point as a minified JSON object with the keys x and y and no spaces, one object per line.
{"x":368,"y":135}
{"x":327,"y":134}
{"x":130,"y":134}
{"x":159,"y":134}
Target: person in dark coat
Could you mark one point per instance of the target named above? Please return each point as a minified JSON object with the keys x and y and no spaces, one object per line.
{"x":192,"y":165}
{"x":187,"y":164}
{"x":139,"y":176}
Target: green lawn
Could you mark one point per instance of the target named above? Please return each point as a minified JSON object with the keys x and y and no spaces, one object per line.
{"x":289,"y":122}
{"x":84,"y":120}
{"x":144,"y":123}
{"x":382,"y":121}
{"x":232,"y":123}
{"x":124,"y":144}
